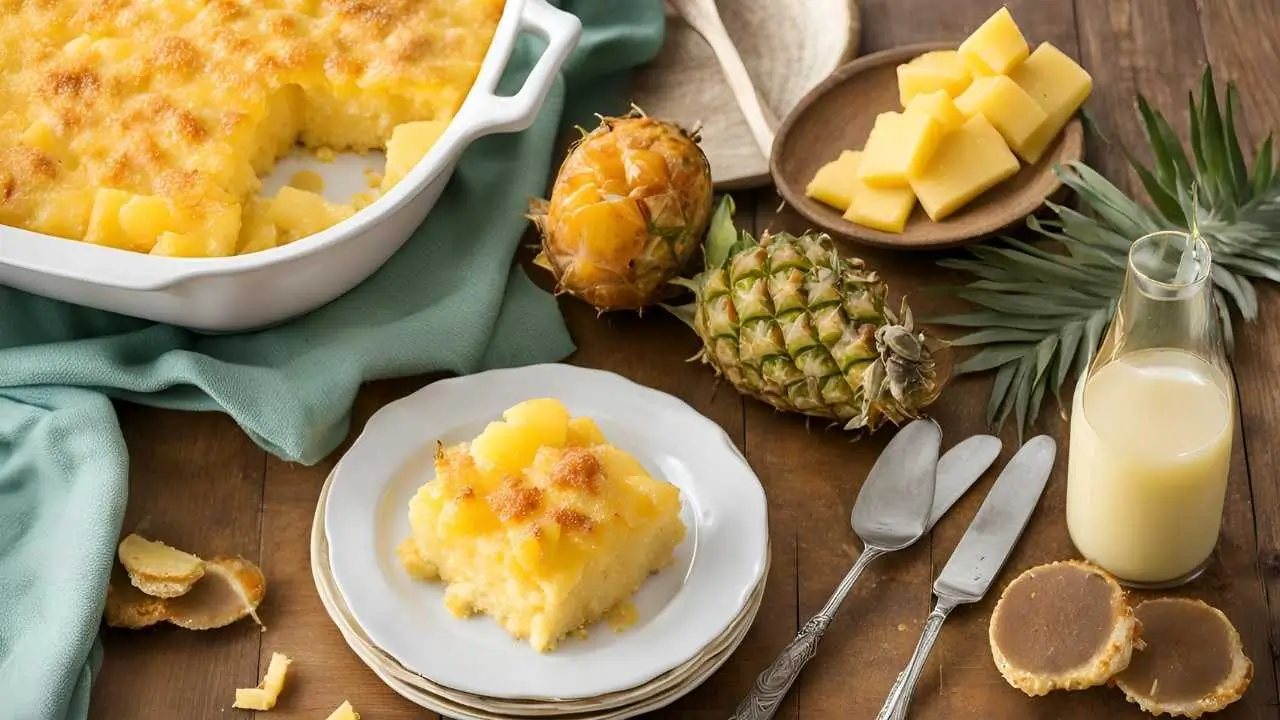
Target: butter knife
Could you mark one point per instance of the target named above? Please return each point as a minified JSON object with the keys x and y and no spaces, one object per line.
{"x":955,"y":472}
{"x":977,"y":560}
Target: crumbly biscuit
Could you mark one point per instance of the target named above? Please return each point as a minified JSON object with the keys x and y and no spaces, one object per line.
{"x":1062,"y":626}
{"x":157,"y":569}
{"x":1194,"y":662}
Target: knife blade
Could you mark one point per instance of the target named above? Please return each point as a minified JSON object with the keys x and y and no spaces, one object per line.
{"x":996,"y":528}
{"x":959,"y":468}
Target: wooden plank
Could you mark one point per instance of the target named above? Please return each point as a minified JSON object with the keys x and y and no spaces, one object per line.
{"x":195,"y":483}
{"x":325,"y":670}
{"x":1243,"y":44}
{"x":1161,"y":54}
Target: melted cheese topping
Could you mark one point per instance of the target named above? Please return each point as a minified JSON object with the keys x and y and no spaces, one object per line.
{"x":145,"y":124}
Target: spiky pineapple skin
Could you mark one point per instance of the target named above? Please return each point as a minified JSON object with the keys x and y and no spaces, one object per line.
{"x":789,"y":321}
{"x":628,"y":209}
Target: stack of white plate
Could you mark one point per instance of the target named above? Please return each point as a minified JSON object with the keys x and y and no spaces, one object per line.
{"x":692,"y":615}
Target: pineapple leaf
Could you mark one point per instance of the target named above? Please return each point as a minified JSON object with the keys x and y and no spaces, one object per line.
{"x":722,"y":234}
{"x":1042,"y":308}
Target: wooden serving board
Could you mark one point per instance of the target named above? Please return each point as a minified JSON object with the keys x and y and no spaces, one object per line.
{"x":788,"y":48}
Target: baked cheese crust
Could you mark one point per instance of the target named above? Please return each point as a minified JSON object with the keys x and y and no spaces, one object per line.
{"x":145,"y":124}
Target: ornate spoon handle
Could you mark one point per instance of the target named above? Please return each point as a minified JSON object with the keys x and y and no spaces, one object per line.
{"x":895,"y":705}
{"x":771,"y":686}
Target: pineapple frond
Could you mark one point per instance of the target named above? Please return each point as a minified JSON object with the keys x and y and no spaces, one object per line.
{"x":1042,"y":312}
{"x":722,"y":235}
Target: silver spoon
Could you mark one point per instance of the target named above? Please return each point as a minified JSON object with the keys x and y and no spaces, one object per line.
{"x":906,"y":492}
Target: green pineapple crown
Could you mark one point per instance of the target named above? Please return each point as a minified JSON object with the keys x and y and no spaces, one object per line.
{"x":1042,"y":314}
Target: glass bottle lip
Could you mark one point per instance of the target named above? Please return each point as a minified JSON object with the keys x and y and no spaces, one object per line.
{"x":1170,"y":264}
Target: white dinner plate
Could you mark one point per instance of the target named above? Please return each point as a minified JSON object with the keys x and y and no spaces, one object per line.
{"x":670,"y":685}
{"x":682,"y":609}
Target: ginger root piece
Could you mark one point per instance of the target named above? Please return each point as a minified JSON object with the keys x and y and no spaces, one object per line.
{"x":264,"y":696}
{"x":157,"y":569}
{"x":344,"y":712}
{"x":1062,"y":626}
{"x":231,"y":588}
{"x":1193,"y":662}
{"x":128,"y":607}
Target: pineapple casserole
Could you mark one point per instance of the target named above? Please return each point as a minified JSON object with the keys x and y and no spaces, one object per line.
{"x":145,"y":124}
{"x":542,"y":524}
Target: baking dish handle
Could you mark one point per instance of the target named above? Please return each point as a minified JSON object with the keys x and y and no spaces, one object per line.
{"x":561,"y":31}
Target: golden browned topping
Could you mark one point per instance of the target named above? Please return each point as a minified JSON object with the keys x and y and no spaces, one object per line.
{"x":176,"y":55}
{"x":135,"y":90}
{"x":466,"y":493}
{"x":577,"y":468}
{"x":571,"y":519}
{"x":1193,"y":661}
{"x":78,"y":84}
{"x":514,"y":500}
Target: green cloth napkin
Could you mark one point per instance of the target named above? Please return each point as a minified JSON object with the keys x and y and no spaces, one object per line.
{"x":450,"y":300}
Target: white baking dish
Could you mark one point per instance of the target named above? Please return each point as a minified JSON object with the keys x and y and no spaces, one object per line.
{"x":264,"y":288}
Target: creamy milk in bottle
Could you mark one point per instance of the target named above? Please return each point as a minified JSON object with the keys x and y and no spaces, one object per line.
{"x":1152,"y":424}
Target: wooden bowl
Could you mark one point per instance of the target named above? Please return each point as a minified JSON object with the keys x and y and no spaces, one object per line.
{"x":788,"y":48}
{"x":838,"y":115}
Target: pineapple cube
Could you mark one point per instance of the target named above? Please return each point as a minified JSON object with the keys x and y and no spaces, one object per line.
{"x":1059,"y":85}
{"x":66,"y":214}
{"x":884,"y":209}
{"x":259,"y":232}
{"x":175,"y":244}
{"x":145,"y":217}
{"x":940,"y":106}
{"x":969,"y":162}
{"x":408,"y":144}
{"x":899,"y":146}
{"x":504,"y":447}
{"x":996,"y":47}
{"x":936,"y":70}
{"x":833,"y":183}
{"x":104,"y":221}
{"x":344,"y":712}
{"x":298,"y":213}
{"x":545,"y":419}
{"x":583,"y":432}
{"x":1014,"y":113}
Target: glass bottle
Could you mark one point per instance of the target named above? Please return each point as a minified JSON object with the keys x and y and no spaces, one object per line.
{"x":1153,"y":422}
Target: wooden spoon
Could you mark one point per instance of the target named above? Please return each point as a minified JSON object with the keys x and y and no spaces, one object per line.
{"x":838,"y":115}
{"x":704,"y":17}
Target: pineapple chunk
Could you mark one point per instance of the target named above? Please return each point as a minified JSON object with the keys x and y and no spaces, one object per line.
{"x":583,"y":432}
{"x":969,"y":162}
{"x":66,"y":214}
{"x":145,"y":217}
{"x":1059,"y":85}
{"x":504,"y":447}
{"x":939,"y":105}
{"x":1008,"y":107}
{"x":884,"y":209}
{"x":259,"y":232}
{"x":996,"y":47}
{"x":264,"y":696}
{"x":344,"y":712}
{"x":468,"y":516}
{"x":408,"y":144}
{"x":833,"y":183}
{"x":546,"y":419}
{"x":900,"y":145}
{"x":298,"y":213}
{"x":932,"y":71}
{"x":104,"y":221}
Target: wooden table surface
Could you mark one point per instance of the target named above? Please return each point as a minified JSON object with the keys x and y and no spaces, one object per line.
{"x":199,"y":483}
